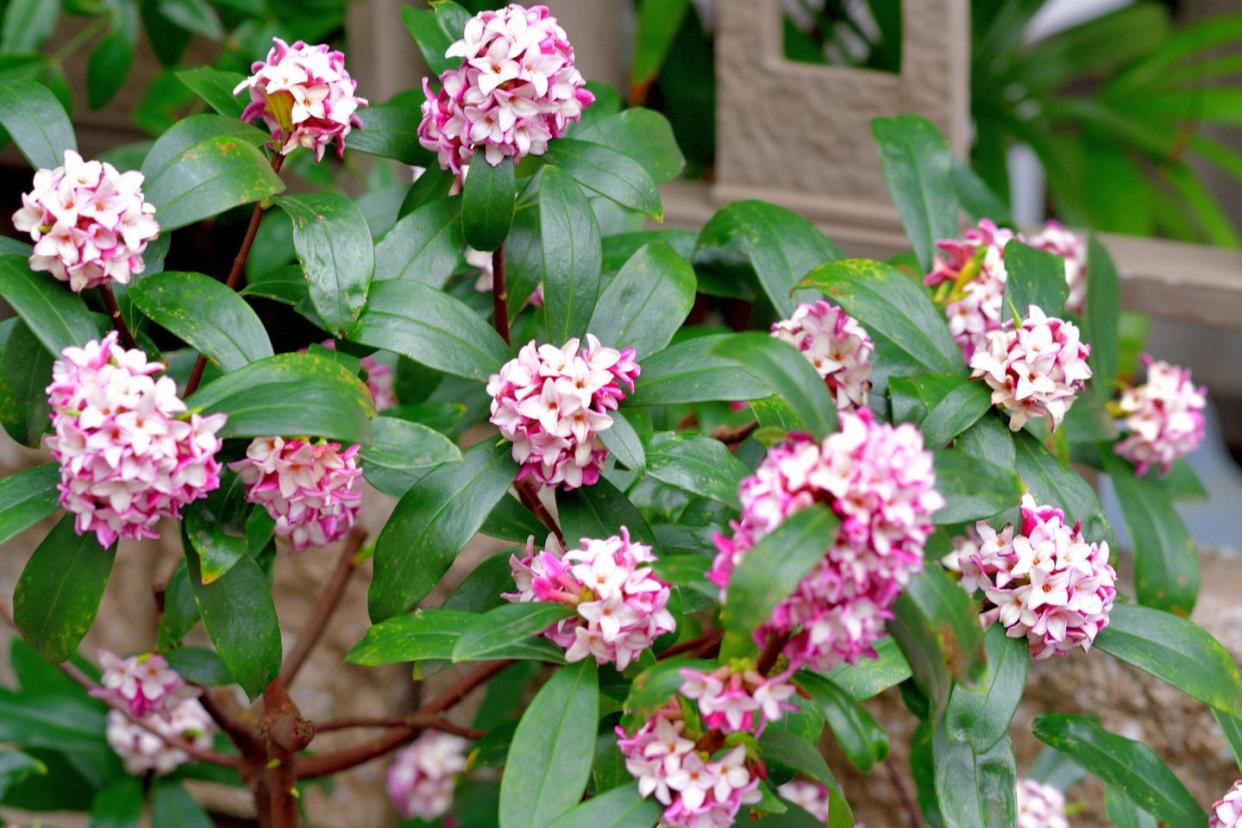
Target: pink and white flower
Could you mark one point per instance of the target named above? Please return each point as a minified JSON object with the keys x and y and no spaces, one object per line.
{"x":313,"y":490}
{"x":1163,"y":417}
{"x":304,"y":95}
{"x":838,"y":347}
{"x":879,"y":480}
{"x":621,"y":606}
{"x":735,"y":697}
{"x":811,"y":797}
{"x":381,"y":379}
{"x":1045,"y":582}
{"x":143,"y":682}
{"x":1227,"y":811}
{"x":1040,"y":806}
{"x":129,"y":451}
{"x":1035,"y":368}
{"x":142,"y":751}
{"x":552,"y":403}
{"x":422,"y":778}
{"x":89,"y":222}
{"x":516,"y":89}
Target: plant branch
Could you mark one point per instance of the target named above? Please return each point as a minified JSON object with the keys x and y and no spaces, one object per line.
{"x":500,"y":294}
{"x":704,"y":641}
{"x":771,"y":652}
{"x":530,"y":499}
{"x":118,"y":319}
{"x":314,"y":767}
{"x":732,"y":435}
{"x":903,"y":792}
{"x":328,"y":602}
{"x":427,"y":722}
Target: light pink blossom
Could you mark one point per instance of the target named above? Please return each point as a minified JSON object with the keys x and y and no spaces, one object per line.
{"x":838,"y":347}
{"x":422,"y":778}
{"x":734,"y":697}
{"x":142,"y":751}
{"x":89,"y":222}
{"x":811,"y":797}
{"x":1226,"y":812}
{"x":1163,"y":417}
{"x":129,"y":452}
{"x":143,"y":682}
{"x":1040,"y":806}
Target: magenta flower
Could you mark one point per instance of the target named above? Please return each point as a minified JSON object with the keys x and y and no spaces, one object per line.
{"x":516,"y":89}
{"x":552,"y":403}
{"x":622,"y":607}
{"x":129,"y":452}
{"x":1163,"y":417}
{"x":1226,"y":812}
{"x":836,"y":345}
{"x":1040,"y":806}
{"x":422,"y":778}
{"x":735,"y":698}
{"x":1035,"y":368}
{"x":143,"y":682}
{"x":811,"y":797}
{"x":304,"y":95}
{"x":90,"y":224}
{"x":311,"y":489}
{"x":142,"y":751}
{"x":879,"y":480}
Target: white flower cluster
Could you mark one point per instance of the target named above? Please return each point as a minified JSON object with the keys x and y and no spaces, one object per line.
{"x":421,"y":780}
{"x":838,"y":347}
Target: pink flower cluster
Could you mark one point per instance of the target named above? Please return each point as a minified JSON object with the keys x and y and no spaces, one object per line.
{"x":516,"y":89}
{"x":311,"y":489}
{"x":733,"y":699}
{"x":838,"y":347}
{"x":1035,"y":368}
{"x":879,"y":480}
{"x":698,"y":791}
{"x":811,"y":797}
{"x":143,"y":682}
{"x":421,"y":780}
{"x":90,"y":224}
{"x":1227,"y":811}
{"x":552,"y":403}
{"x":129,"y":451}
{"x":1040,"y":806}
{"x":380,"y":379}
{"x":1163,"y":417}
{"x":1046,"y":583}
{"x":305,"y":97}
{"x":974,"y":267}
{"x":621,"y":606}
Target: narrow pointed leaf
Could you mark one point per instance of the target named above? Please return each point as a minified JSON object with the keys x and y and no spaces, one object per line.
{"x":980,"y":715}
{"x":623,"y":442}
{"x":697,"y":464}
{"x":789,"y":375}
{"x":571,"y":255}
{"x":492,"y":634}
{"x":599,"y":511}
{"x":422,"y":635}
{"x":215,"y":86}
{"x":690,"y":371}
{"x":1037,"y":278}
{"x":859,"y":736}
{"x":918,"y":168}
{"x":35,"y":119}
{"x":975,"y":790}
{"x":621,"y":807}
{"x":1100,"y":326}
{"x":58,"y":317}
{"x":401,"y":452}
{"x":27,"y":498}
{"x":609,"y":173}
{"x":334,"y":245}
{"x":646,"y":302}
{"x":424,"y":246}
{"x":487,"y":203}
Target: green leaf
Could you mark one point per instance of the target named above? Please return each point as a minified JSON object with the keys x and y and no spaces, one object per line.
{"x":859,"y":736}
{"x":215,"y":86}
{"x":432,"y":41}
{"x":62,"y":723}
{"x":510,"y":520}
{"x":203,"y":166}
{"x":937,"y":627}
{"x":654,"y":686}
{"x":240,"y":618}
{"x":59,"y":591}
{"x":973,"y":489}
{"x":646,"y":302}
{"x":58,"y":317}
{"x":571,"y":255}
{"x":431,"y":328}
{"x":975,"y":790}
{"x":976,"y":198}
{"x":488,"y":200}
{"x":1174,"y":650}
{"x":893,"y":308}
{"x":549,"y":759}
{"x":793,"y":751}
{"x":290,"y":394}
{"x":1166,"y":562}
{"x":918,"y":168}
{"x":107,"y":69}
{"x":980,"y":716}
{"x":600,"y":511}
{"x":334,"y":245}
{"x":871,"y":676}
{"x":697,"y":464}
{"x":27,"y":498}
{"x":180,"y":610}
{"x":1129,"y":766}
{"x":424,"y":246}
{"x":1231,"y":729}
{"x":173,"y":807}
{"x":493,"y":634}
{"x":216,"y":527}
{"x":120,"y":805}
{"x":1100,"y":326}
{"x":25,"y":372}
{"x":691,"y":371}
{"x":623,"y":442}
{"x":16,"y":766}
{"x":1054,"y":485}
{"x":990,"y":440}
{"x":1123,"y":813}
{"x":400,"y":453}
{"x":390,"y":132}
{"x":193,"y":15}
{"x":1036,"y":277}
{"x":431,"y":524}
{"x":658,"y":22}
{"x":35,"y":119}
{"x":621,"y":807}
{"x":610,"y":173}
{"x":780,"y":245}
{"x":27,"y":26}
{"x":422,"y":635}
{"x":771,"y":570}
{"x":211,"y":318}
{"x":199,"y":665}
{"x":481,"y":589}
{"x":643,"y":135}
{"x":789,"y":375}
{"x":957,"y":411}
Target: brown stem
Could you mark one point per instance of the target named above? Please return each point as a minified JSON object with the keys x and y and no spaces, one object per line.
{"x":500,"y":294}
{"x":771,"y":652}
{"x":529,"y":496}
{"x":285,"y":733}
{"x":118,"y":319}
{"x":328,"y":603}
{"x":314,"y":767}
{"x":732,"y":435}
{"x":692,"y":645}
{"x":428,"y":722}
{"x":903,"y":792}
{"x":235,"y":273}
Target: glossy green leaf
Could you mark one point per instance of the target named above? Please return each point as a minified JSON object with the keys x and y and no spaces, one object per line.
{"x":643,"y":135}
{"x":1122,"y":813}
{"x":180,"y":611}
{"x":918,"y":168}
{"x":690,"y":371}
{"x":658,"y":22}
{"x":1036,"y":277}
{"x":549,"y":759}
{"x":871,"y":676}
{"x":493,"y":634}
{"x":646,"y":302}
{"x":859,"y":736}
{"x":432,"y":41}
{"x":27,"y":25}
{"x":196,"y":16}
{"x":1231,"y":729}
{"x":488,"y":200}
{"x":1052,"y":484}
{"x":216,"y":527}
{"x":209,"y":317}
{"x":699,"y":465}
{"x":425,"y":246}
{"x":510,"y":520}
{"x":771,"y":570}
{"x":957,"y":411}
{"x":33,"y":116}
{"x":1129,"y":766}
{"x":623,"y":443}
{"x":107,"y":69}
{"x":61,"y":723}
{"x":16,"y":766}
{"x":215,"y":86}
{"x":1100,"y":325}
{"x":25,"y":372}
{"x":27,"y":498}
{"x":980,"y":715}
{"x":290,"y":394}
{"x":789,"y":375}
{"x":60,"y":588}
{"x":431,"y":328}
{"x":975,"y":790}
{"x":334,"y":245}
{"x":1052,"y":767}
{"x":422,"y":635}
{"x":791,"y":750}
{"x":621,"y":807}
{"x":120,"y":805}
{"x":571,"y":255}
{"x":390,"y":131}
{"x":653,"y":687}
{"x":1166,"y":561}
{"x":610,"y":173}
{"x":973,"y":489}
{"x":432,"y":523}
{"x":890,"y":305}
{"x":199,"y":665}
{"x":173,"y":807}
{"x":58,"y":317}
{"x":400,"y":453}
{"x":599,"y":511}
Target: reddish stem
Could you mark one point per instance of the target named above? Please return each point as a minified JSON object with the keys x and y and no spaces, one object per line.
{"x":427,"y":722}
{"x":118,"y":319}
{"x":500,"y":294}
